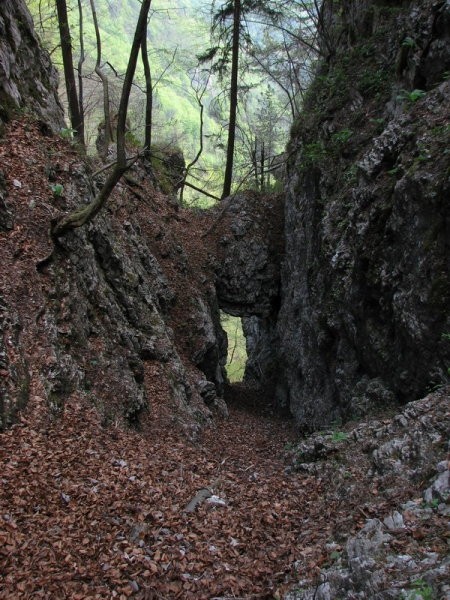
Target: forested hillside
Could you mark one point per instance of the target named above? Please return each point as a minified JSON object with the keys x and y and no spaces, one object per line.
{"x":178,"y":34}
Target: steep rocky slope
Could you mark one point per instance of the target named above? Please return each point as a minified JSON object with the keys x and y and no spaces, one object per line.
{"x":365,"y":285}
{"x":119,"y":313}
{"x":28,"y":80}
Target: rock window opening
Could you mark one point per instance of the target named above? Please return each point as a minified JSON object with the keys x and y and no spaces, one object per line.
{"x":237,"y":352}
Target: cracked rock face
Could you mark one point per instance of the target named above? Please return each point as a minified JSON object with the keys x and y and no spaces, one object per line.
{"x":95,"y":318}
{"x":248,"y":275}
{"x":366,"y":277}
{"x":250,"y":252}
{"x":27,"y":77}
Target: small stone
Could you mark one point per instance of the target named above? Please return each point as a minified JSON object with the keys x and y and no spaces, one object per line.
{"x":215,"y":501}
{"x":394,"y":521}
{"x":16,"y":183}
{"x":442,"y":466}
{"x":65,"y":497}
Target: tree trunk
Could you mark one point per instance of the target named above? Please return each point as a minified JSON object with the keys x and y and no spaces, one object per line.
{"x":71,"y":88}
{"x":82,"y":215}
{"x":148,"y":98}
{"x":255,"y":161}
{"x":80,"y":72}
{"x":233,"y":99}
{"x":105,"y":84}
{"x":263,"y":161}
{"x":199,"y":96}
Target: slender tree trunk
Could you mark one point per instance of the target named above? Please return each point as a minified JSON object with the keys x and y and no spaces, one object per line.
{"x":81,"y":216}
{"x":255,"y":161}
{"x":148,"y":98}
{"x":199,"y":96}
{"x":80,"y":72}
{"x":233,"y":99}
{"x":105,"y":84}
{"x":69,"y":75}
{"x":262,"y":166}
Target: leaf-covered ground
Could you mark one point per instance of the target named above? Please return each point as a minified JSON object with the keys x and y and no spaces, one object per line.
{"x":93,"y":512}
{"x":88,"y":511}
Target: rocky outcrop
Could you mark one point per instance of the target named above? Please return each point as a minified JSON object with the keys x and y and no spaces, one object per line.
{"x":389,"y":556}
{"x":102,"y":316}
{"x":28,"y":79}
{"x":366,"y":278}
{"x":250,"y":249}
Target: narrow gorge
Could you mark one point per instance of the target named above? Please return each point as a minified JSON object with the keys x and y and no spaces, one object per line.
{"x":115,"y":405}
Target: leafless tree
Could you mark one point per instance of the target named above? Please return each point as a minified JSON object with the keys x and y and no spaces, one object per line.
{"x":75,"y":112}
{"x":86,"y":213}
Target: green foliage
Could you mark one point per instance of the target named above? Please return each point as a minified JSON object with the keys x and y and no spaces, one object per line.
{"x":342,"y":137}
{"x":412,"y":96}
{"x":67,"y":133}
{"x":339,"y":436}
{"x":313,"y":153}
{"x":57,"y":190}
{"x":132,"y":140}
{"x":237,"y":352}
{"x":421,"y":590}
{"x":409,"y":42}
{"x":350,"y":176}
{"x":433,"y":504}
{"x":393,"y":171}
{"x":177,"y":35}
{"x":373,"y":80}
{"x":166,"y":165}
{"x":329,"y":89}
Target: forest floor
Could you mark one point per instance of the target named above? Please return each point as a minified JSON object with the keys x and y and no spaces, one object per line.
{"x":88,"y":511}
{"x":94,"y":511}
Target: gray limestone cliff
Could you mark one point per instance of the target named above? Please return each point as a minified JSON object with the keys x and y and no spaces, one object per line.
{"x":364,"y":318}
{"x":28,"y":79}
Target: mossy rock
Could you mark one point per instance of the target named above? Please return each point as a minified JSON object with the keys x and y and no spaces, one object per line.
{"x":168,"y":166}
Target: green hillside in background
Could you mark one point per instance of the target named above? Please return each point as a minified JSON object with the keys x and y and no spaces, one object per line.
{"x":178,"y":33}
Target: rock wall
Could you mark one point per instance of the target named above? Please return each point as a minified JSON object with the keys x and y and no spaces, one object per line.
{"x":250,"y":249}
{"x":366,"y":278}
{"x":104,"y":314}
{"x":28,"y":79}
{"x":249,"y":252}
